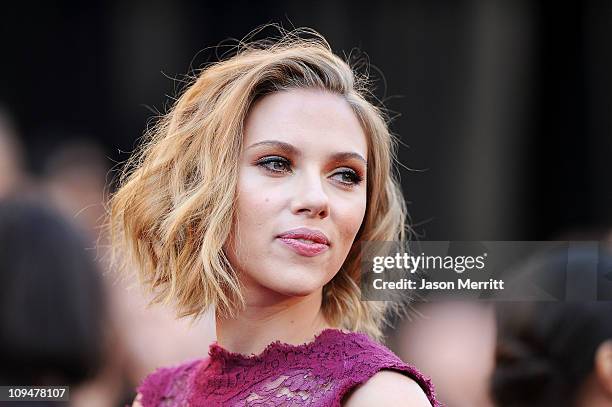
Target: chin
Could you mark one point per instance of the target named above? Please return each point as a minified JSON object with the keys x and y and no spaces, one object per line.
{"x":298,"y":291}
{"x":296,"y":287}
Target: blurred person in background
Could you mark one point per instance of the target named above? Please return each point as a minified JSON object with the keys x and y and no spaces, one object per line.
{"x":74,"y":177}
{"x":12,"y":175}
{"x":73,"y":180}
{"x":453,"y":342}
{"x":554,"y":354}
{"x":52,"y":307}
{"x":560,"y":353}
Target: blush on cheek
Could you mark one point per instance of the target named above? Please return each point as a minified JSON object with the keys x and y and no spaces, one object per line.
{"x":353,"y":221}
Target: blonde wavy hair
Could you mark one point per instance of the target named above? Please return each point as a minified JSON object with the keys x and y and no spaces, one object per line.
{"x":175,"y":205}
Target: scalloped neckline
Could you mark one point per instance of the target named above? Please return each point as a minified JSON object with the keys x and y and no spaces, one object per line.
{"x":217,"y":351}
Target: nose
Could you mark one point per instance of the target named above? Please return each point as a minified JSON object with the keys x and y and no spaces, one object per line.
{"x":310,"y":198}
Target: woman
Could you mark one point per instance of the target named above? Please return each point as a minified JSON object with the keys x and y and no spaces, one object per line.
{"x":554,"y":354}
{"x":252,"y":196}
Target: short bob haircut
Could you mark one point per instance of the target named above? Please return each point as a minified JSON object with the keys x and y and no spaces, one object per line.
{"x":175,"y":205}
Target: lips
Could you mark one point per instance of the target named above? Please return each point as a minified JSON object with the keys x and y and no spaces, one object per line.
{"x":305,"y":242}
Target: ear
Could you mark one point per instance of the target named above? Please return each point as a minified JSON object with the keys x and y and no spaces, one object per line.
{"x":603,"y":366}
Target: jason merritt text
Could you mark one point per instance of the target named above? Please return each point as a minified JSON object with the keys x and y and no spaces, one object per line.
{"x":460,"y":284}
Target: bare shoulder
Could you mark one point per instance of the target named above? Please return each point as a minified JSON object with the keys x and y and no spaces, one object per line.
{"x":136,"y":402}
{"x":389,"y":387}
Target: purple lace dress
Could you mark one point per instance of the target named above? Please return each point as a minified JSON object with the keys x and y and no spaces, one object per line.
{"x":319,"y":373}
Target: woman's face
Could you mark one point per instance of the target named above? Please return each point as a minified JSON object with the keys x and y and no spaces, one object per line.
{"x":303,"y":166}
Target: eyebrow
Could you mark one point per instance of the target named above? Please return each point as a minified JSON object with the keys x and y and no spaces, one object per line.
{"x":290,"y":149}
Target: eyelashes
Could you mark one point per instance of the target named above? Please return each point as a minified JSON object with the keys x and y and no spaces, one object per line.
{"x":280,"y":165}
{"x":269,"y":164}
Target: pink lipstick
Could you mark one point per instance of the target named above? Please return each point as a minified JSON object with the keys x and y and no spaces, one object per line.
{"x":305,"y":242}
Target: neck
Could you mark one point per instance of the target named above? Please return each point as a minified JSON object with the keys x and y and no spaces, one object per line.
{"x":288,"y":319}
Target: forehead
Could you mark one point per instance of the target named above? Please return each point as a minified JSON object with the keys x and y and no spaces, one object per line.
{"x":309,"y":119}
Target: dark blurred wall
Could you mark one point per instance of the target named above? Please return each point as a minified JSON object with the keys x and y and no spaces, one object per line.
{"x":505,"y":105}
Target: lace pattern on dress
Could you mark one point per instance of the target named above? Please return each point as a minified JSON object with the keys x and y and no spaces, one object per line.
{"x":316,"y":374}
{"x":319,"y":373}
{"x":168,"y":386}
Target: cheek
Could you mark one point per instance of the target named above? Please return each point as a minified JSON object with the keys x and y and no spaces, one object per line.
{"x":350,"y":217}
{"x":252,"y":217}
{"x":257,"y":202}
{"x":255,"y":212}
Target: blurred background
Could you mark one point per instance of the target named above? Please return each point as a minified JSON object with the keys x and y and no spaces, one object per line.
{"x":505,"y":105}
{"x":503,"y":109}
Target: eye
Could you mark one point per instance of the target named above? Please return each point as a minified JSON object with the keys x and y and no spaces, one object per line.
{"x":275,"y":164}
{"x":348,"y":177}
